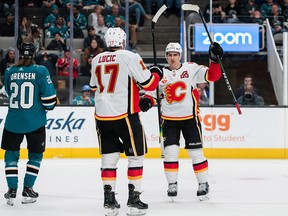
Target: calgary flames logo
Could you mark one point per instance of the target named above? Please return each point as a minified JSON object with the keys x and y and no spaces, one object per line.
{"x":173,"y":92}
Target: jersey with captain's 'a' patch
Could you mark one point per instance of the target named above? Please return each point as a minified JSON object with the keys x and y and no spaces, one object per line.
{"x":31,"y":92}
{"x":117,"y":77}
{"x":177,"y":100}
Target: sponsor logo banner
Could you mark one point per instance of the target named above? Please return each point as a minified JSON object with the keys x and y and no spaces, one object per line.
{"x":232,"y":37}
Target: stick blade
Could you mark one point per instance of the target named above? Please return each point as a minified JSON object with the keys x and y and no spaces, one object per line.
{"x":190,"y":7}
{"x":158,"y":14}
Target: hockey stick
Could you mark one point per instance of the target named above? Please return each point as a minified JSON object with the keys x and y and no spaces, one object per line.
{"x":195,"y":8}
{"x":153,"y":23}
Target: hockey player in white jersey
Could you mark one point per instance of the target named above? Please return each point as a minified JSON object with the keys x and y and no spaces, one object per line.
{"x":117,"y":75}
{"x":179,"y":110}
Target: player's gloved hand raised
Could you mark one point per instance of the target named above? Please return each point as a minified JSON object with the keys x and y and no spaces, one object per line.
{"x":145,"y":104}
{"x":215,"y":50}
{"x":157,"y":69}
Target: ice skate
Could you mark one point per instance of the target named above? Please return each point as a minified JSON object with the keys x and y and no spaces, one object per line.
{"x":110,"y":204}
{"x":172,"y":190}
{"x":10,"y":196}
{"x":203,"y":191}
{"x":135,"y":206}
{"x":29,"y":195}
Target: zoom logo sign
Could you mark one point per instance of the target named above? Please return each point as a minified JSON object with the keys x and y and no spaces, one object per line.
{"x":229,"y":38}
{"x":232,"y":37}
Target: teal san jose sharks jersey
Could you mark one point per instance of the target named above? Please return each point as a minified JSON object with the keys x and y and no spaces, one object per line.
{"x":31,"y":93}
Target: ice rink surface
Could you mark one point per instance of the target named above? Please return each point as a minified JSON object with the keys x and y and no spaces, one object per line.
{"x":238,"y":188}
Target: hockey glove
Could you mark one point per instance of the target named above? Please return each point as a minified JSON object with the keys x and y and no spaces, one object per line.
{"x":215,"y":50}
{"x":158,"y":70}
{"x":145,"y":104}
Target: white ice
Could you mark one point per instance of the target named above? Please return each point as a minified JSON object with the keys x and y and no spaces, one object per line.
{"x":238,"y":188}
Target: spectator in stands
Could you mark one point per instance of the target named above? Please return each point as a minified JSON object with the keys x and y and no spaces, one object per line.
{"x":205,"y":87}
{"x":30,"y":3}
{"x":58,"y":43}
{"x":80,"y":22}
{"x":93,"y":17}
{"x":219,"y":15}
{"x":136,"y":8}
{"x":8,"y":60}
{"x":276,"y":20}
{"x":92,"y":50}
{"x":92,"y":35}
{"x":148,"y":4}
{"x":173,"y":6}
{"x":247,"y":10}
{"x":248,"y":80}
{"x":86,"y":69}
{"x":51,"y":18}
{"x":24,"y":28}
{"x":206,"y":11}
{"x":118,"y":22}
{"x":232,"y":11}
{"x":266,"y":8}
{"x":48,"y":3}
{"x":112,"y":20}
{"x":101,"y":28}
{"x":284,"y":7}
{"x":250,"y":97}
{"x":59,"y":27}
{"x":35,"y":37}
{"x":49,"y":61}
{"x":85,"y":98}
{"x":90,"y":4}
{"x":66,"y":4}
{"x":203,"y":99}
{"x":63,"y":66}
{"x":7,"y":28}
{"x":8,"y":4}
{"x":257,"y":18}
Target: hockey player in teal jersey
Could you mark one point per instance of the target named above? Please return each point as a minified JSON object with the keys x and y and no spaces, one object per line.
{"x":31,"y":93}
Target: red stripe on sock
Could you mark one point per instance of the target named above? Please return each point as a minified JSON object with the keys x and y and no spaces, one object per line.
{"x":201,"y":166}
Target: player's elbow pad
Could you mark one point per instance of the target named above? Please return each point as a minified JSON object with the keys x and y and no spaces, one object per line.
{"x":214,"y":72}
{"x":49,"y":103}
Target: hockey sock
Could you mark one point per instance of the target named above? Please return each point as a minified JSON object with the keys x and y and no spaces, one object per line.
{"x":11,"y":159}
{"x":32,"y":168}
{"x":109,"y":169}
{"x":171,"y":163}
{"x":200,"y":164}
{"x":135,"y":171}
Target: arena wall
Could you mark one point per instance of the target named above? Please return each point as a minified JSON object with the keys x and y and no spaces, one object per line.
{"x":257,"y":133}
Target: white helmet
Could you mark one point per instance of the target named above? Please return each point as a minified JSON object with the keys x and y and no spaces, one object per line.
{"x":115,"y":37}
{"x":173,"y":47}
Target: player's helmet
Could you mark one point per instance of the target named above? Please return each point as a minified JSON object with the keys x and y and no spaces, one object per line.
{"x":27,"y":50}
{"x":115,"y":37}
{"x":173,"y":47}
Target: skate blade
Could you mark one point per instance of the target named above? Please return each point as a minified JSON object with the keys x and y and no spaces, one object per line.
{"x":10,"y":201}
{"x":28,"y":200}
{"x":203,"y":197}
{"x":111,"y":212}
{"x":135,"y":211}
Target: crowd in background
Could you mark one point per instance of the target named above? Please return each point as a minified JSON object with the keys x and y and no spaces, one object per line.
{"x":92,"y":18}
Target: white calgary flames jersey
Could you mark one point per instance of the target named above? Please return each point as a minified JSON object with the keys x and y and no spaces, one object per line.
{"x":115,"y":76}
{"x":177,"y":100}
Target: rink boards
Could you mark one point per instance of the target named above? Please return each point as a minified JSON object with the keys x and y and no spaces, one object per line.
{"x":257,"y":133}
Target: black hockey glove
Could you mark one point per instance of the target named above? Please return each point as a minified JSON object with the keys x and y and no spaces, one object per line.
{"x":157,"y":69}
{"x":145,"y":104}
{"x":215,"y":50}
